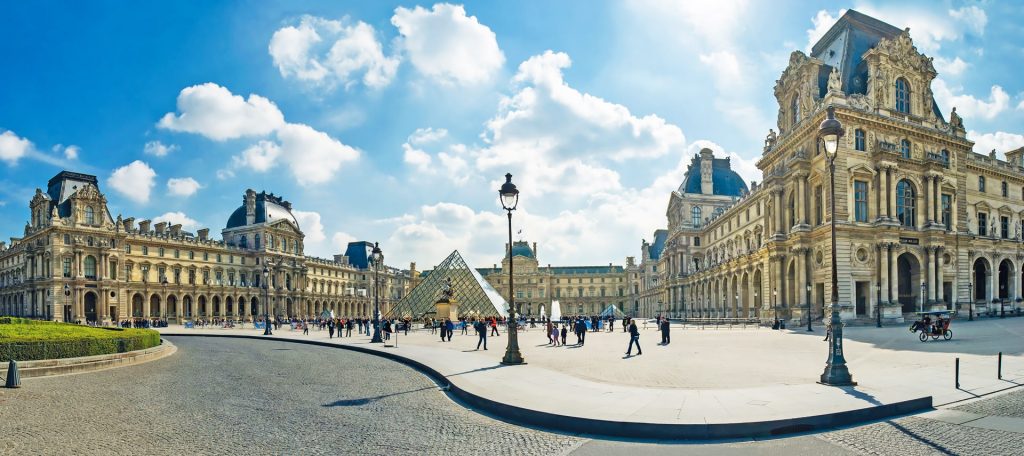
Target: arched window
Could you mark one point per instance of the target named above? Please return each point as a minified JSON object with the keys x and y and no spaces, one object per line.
{"x":981,"y":184}
{"x":794,"y":110}
{"x":905,"y":203}
{"x":90,"y":267}
{"x":902,"y":96}
{"x":695,"y":216}
{"x":905,"y":148}
{"x":90,"y":216}
{"x":792,"y":209}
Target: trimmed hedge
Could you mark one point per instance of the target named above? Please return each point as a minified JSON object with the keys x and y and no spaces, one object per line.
{"x":28,"y":340}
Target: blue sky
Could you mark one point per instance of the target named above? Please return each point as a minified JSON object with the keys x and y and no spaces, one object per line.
{"x":394,"y":122}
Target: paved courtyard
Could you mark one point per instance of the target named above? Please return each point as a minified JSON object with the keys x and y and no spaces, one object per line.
{"x":231,"y":396}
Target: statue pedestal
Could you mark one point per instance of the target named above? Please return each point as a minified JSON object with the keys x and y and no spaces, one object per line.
{"x":447,"y":309}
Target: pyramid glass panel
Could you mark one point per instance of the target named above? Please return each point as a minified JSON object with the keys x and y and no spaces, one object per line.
{"x":473,"y":295}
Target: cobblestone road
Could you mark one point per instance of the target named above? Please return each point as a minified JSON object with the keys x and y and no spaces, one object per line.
{"x":233,"y":396}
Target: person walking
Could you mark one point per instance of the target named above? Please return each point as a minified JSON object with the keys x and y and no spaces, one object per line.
{"x":449,"y":327}
{"x":305,"y":327}
{"x":553,"y":333}
{"x":330,"y":329}
{"x":634,"y":338}
{"x":481,"y":330}
{"x":494,"y":327}
{"x":664,"y":331}
{"x":565,"y":332}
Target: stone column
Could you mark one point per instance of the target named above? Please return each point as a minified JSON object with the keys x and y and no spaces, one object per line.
{"x":930,"y":281}
{"x":927,"y":201}
{"x":937,"y":199}
{"x":801,"y":200}
{"x":939,"y":279}
{"x":892,"y":194}
{"x":801,"y":278}
{"x":777,"y":197}
{"x":779,"y":284}
{"x":883,"y":271}
{"x":894,"y":289}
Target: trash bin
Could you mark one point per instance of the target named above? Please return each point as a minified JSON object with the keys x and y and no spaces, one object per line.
{"x":782,"y":324}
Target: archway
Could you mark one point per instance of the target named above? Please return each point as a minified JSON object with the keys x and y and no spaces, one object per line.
{"x":90,"y":306}
{"x":137,"y":305}
{"x":172,"y":306}
{"x":735,"y":297}
{"x":758,"y":298}
{"x":202,"y":306}
{"x":1006,"y":283}
{"x":979,"y":282}
{"x":746,"y":302}
{"x":254,"y":306}
{"x":229,"y":305}
{"x":154,"y":306}
{"x":908,"y":273}
{"x":216,"y":306}
{"x":290,"y":309}
{"x":187,"y":306}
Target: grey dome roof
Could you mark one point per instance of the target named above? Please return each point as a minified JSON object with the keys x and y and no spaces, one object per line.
{"x":521,"y":248}
{"x":269,"y":208}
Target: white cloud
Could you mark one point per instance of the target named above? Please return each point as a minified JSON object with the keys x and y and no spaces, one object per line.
{"x":213,"y":111}
{"x":327,"y":52}
{"x":1020,"y":107}
{"x":427,"y":135}
{"x":822,"y":22}
{"x":947,"y":67}
{"x":716,"y":23}
{"x":258,"y":157}
{"x":968,"y":106}
{"x":726,"y":68}
{"x":71,"y":152}
{"x":133,"y":181}
{"x":159,"y":149}
{"x":972,"y":17}
{"x":13,"y":147}
{"x":175,"y":218}
{"x":311,"y":225}
{"x":446,"y":45}
{"x":312,"y":156}
{"x":416,"y":158}
{"x":1000,"y":141}
{"x":340,"y":241}
{"x":183,"y":186}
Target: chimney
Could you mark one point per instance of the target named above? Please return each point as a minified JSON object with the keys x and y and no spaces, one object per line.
{"x":204,"y":234}
{"x":160,"y":227}
{"x":129,"y":224}
{"x":144,"y":226}
{"x":707,"y":185}
{"x":339,"y":258}
{"x":250,"y":206}
{"x":534,"y":249}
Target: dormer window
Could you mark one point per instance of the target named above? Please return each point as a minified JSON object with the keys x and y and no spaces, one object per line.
{"x":90,"y":216}
{"x":794,"y":110}
{"x":902,"y":96}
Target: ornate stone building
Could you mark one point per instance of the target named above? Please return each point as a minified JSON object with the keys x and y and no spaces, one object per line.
{"x":580,"y":290}
{"x":922,"y":221}
{"x":119,"y":269}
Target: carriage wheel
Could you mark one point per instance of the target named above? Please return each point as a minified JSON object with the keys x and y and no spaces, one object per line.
{"x":923,"y":336}
{"x":948,"y":335}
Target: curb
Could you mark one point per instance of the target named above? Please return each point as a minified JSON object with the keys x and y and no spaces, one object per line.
{"x":63,"y":366}
{"x":660,"y":431}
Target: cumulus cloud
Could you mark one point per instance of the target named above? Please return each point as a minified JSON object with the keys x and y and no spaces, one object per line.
{"x":70,"y":152}
{"x":258,"y":157}
{"x":327,"y":52}
{"x":427,"y":135}
{"x":13,"y":147}
{"x":969,"y":106}
{"x":447,"y":46}
{"x":930,"y":27}
{"x":726,"y":67}
{"x":311,"y":225}
{"x":954,"y":67}
{"x":182,"y":186}
{"x":312,"y":156}
{"x":822,"y":21}
{"x":134,"y":181}
{"x":972,"y":17}
{"x":999,"y":141}
{"x":340,"y":240}
{"x":176,"y":218}
{"x":158,"y":149}
{"x":214,"y":112}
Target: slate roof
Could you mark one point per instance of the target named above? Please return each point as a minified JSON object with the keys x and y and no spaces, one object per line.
{"x":268,"y":208}
{"x":726,"y":181}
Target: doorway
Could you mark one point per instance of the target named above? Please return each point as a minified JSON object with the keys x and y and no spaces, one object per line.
{"x":90,"y":306}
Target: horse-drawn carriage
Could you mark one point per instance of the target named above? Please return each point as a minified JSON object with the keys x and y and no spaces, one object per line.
{"x":934,"y":325}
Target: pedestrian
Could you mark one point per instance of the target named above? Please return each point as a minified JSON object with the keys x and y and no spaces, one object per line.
{"x":305,"y":328}
{"x":494,"y":327}
{"x":828,"y":332}
{"x":348,"y":327}
{"x":449,"y":328}
{"x":553,"y":333}
{"x":565,"y":332}
{"x":481,"y":330}
{"x":664,"y":331}
{"x":634,"y":338}
{"x":464,"y":324}
{"x":330,"y":330}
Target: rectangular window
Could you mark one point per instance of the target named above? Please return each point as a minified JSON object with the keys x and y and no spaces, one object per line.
{"x":145,"y":250}
{"x":163,"y":274}
{"x":128,"y":248}
{"x":177,"y":253}
{"x":161,"y":251}
{"x":191,"y":255}
{"x":67,"y":267}
{"x":947,"y":211}
{"x":177,"y":276}
{"x":860,"y":196}
{"x":67,"y":239}
{"x":982,"y":224}
{"x":113,"y":270}
{"x":819,"y":217}
{"x":191,"y":276}
{"x":858,"y":140}
{"x":206,"y":256}
{"x":1004,"y":226}
{"x":218,"y":258}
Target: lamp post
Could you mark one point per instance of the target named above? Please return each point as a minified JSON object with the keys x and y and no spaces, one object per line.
{"x":758,"y":304}
{"x":509,"y":197}
{"x":376,"y":258}
{"x":807,"y":297}
{"x":836,"y":373}
{"x":878,"y":305}
{"x":970,"y":302}
{"x":924,"y":290}
{"x":775,"y":306}
{"x":1002,"y":301}
{"x":67,"y":303}
{"x":266,"y":301}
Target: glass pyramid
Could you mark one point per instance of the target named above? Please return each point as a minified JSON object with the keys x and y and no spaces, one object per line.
{"x":474,"y":296}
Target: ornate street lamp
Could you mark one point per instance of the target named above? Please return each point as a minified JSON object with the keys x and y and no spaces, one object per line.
{"x":376,"y":258}
{"x":836,"y":373}
{"x":878,"y":305}
{"x":775,"y":307}
{"x":67,"y":303}
{"x":924,"y":290}
{"x":509,"y":197}
{"x":266,"y":301}
{"x":807,"y":297}
{"x":970,"y":302}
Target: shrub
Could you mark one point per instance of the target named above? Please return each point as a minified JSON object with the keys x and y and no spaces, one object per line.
{"x":33,"y":340}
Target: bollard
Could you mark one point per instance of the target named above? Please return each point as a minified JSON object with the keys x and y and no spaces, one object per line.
{"x":958,"y":373}
{"x":13,"y":378}
{"x":999,"y":370}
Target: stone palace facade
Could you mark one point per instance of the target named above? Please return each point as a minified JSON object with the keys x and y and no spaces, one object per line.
{"x":118,"y":269}
{"x":923,"y":222}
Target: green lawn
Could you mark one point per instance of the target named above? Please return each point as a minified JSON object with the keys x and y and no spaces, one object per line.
{"x":25,"y":340}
